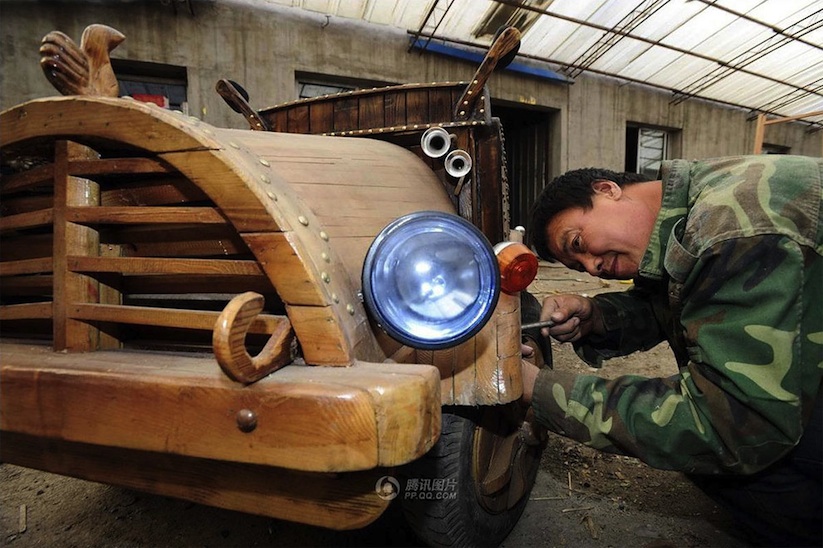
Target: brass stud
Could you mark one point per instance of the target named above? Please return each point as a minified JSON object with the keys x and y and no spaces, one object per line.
{"x":325,"y":257}
{"x":350,"y":309}
{"x":265,"y":162}
{"x":265,"y":179}
{"x":335,"y":298}
{"x":324,"y":236}
{"x":326,"y":278}
{"x":303,"y":221}
{"x":232,"y":144}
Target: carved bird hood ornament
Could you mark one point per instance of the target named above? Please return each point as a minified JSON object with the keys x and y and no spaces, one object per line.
{"x":83,"y":70}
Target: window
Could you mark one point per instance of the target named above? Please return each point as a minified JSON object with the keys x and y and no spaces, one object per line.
{"x":312,"y":89}
{"x":316,"y":85}
{"x":774,"y":149}
{"x":646,"y":148}
{"x":164,"y":85}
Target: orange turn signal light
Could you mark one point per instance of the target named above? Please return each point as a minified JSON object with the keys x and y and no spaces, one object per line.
{"x":518,"y":266}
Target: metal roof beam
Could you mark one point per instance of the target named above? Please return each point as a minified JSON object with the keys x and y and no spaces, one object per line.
{"x":657,"y":43}
{"x":773,"y":28}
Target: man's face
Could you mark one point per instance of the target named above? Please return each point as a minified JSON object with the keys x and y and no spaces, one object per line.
{"x":608,"y":240}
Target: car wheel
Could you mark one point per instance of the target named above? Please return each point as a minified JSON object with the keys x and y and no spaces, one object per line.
{"x":472,"y":486}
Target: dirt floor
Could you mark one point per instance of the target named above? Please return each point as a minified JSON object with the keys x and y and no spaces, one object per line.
{"x":582,"y":498}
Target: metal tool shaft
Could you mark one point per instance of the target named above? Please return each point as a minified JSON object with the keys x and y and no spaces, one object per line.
{"x":544,"y":323}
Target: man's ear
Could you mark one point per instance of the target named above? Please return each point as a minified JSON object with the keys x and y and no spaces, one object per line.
{"x":609,"y":189}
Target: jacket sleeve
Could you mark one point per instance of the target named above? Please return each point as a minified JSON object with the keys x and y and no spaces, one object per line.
{"x":741,"y":401}
{"x":632,"y":322}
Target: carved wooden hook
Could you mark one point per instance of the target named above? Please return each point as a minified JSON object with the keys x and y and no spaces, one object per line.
{"x":229,"y":341}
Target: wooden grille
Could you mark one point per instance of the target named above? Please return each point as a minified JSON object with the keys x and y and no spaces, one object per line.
{"x":111,"y":248}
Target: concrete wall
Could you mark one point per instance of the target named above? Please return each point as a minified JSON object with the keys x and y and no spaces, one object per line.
{"x":262,"y":47}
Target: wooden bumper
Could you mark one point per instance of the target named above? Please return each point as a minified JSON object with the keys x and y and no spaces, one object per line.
{"x":301,"y":418}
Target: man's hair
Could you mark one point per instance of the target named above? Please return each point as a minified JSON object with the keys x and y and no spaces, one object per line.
{"x":573,"y":189}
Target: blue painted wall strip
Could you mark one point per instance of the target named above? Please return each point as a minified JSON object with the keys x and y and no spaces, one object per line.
{"x":459,"y":53}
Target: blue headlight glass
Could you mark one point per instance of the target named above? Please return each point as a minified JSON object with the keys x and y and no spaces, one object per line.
{"x":431,"y":280}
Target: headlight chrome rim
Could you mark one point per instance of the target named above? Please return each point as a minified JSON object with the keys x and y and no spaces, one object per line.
{"x":450,"y":306}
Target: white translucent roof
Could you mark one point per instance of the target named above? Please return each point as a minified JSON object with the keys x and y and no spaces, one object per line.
{"x":762,"y":55}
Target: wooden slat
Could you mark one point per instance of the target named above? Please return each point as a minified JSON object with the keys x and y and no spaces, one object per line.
{"x":440,"y":105}
{"x":229,"y":182}
{"x":26,"y":266}
{"x":180,"y":241}
{"x":27,"y":311}
{"x":346,"y":115}
{"x":321,"y":117}
{"x":31,"y":219}
{"x":464,"y":367}
{"x":371,"y":112}
{"x":144,"y":265}
{"x":417,"y":106}
{"x":487,"y":181}
{"x":298,"y":119}
{"x":502,"y":381}
{"x":279,"y":121}
{"x":166,"y":317}
{"x":26,"y":246}
{"x":184,"y":283}
{"x":38,"y":176}
{"x":26,"y":285}
{"x":144,"y":215}
{"x":25,"y":203}
{"x":152,"y":192}
{"x":130,"y":166}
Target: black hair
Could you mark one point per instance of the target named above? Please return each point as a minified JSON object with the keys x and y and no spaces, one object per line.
{"x":573,"y":189}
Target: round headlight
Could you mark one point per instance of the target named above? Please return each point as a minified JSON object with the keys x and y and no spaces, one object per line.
{"x":431,"y":280}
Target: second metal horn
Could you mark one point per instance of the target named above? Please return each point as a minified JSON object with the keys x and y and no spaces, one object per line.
{"x":436,"y":142}
{"x":458,"y":163}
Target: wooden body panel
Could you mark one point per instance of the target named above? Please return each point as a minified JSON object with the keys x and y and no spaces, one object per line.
{"x":377,"y":110}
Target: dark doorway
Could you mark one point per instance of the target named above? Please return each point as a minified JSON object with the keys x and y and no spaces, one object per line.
{"x":527,"y":134}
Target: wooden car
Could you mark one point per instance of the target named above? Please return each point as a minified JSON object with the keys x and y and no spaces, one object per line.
{"x":189,"y":310}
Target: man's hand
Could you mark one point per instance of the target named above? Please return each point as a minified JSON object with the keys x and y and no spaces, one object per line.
{"x":574,"y":317}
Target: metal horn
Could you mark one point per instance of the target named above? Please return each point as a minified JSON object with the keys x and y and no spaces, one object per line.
{"x":436,"y":142}
{"x":458,"y":163}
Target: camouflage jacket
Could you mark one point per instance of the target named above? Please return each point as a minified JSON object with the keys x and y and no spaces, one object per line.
{"x":733,"y":279}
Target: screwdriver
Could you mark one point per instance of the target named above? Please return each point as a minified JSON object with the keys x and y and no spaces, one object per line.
{"x":544,"y":323}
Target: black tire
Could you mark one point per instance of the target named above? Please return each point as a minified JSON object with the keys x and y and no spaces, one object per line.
{"x":457,"y":513}
{"x":458,"y":518}
{"x":529,"y":313}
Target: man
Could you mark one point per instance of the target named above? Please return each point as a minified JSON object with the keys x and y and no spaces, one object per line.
{"x":726,"y":258}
